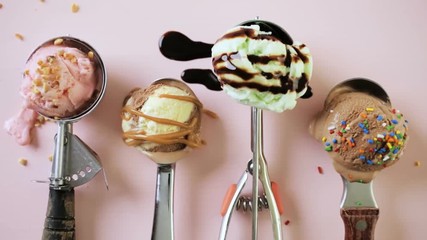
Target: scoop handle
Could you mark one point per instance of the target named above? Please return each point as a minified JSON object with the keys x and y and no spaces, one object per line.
{"x":60,"y":223}
{"x":360,"y":223}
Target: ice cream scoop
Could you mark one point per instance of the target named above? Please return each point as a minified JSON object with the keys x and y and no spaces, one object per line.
{"x":60,"y":81}
{"x":363,"y":134}
{"x":163,"y":122}
{"x":65,"y":90}
{"x":258,"y":69}
{"x":257,"y":63}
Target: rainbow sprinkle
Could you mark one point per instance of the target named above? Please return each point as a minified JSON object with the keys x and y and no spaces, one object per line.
{"x":381,"y":148}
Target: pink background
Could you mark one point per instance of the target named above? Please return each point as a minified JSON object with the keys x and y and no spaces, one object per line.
{"x":385,"y":41}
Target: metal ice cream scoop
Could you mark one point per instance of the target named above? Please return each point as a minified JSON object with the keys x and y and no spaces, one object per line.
{"x":74,"y":162}
{"x":359,"y":209}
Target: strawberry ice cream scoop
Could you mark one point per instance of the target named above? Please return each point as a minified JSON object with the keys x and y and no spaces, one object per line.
{"x":58,"y":81}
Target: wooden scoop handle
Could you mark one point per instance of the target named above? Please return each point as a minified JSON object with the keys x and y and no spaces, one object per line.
{"x":60,"y":222}
{"x":360,"y":223}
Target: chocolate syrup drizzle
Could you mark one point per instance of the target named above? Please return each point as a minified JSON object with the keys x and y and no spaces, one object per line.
{"x":177,"y":46}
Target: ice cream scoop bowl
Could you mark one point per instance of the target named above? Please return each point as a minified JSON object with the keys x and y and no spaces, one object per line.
{"x":163,"y":122}
{"x":363,"y":134}
{"x":74,"y":163}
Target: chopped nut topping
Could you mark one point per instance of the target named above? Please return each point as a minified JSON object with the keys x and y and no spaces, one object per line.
{"x":27,"y":72}
{"x":45,"y":87}
{"x":417,"y":163}
{"x":50,"y":158}
{"x":19,"y":36}
{"x":58,"y":41}
{"x":37,"y":82}
{"x":35,"y":91}
{"x":23,"y":161}
{"x":90,"y":55}
{"x":75,"y":8}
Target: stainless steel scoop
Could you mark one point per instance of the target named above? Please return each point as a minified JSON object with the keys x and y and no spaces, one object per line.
{"x":258,"y":168}
{"x":359,"y":209}
{"x":74,"y":163}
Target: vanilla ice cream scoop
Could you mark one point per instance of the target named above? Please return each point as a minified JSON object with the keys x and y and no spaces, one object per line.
{"x":163,"y":120}
{"x":362,"y":133}
{"x":258,"y":69}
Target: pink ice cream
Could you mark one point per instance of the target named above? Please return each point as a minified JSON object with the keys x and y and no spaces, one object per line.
{"x":58,"y":82}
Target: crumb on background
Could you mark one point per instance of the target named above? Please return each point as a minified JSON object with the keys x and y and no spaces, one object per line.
{"x":320,"y":169}
{"x":23,"y":161}
{"x":50,"y":158}
{"x":417,"y":163}
{"x":287,"y":222}
{"x":75,"y":8}
{"x":19,"y":36}
{"x":1,"y":5}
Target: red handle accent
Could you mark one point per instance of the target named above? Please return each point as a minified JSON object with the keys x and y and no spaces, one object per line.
{"x":276,"y":193}
{"x":227,"y":199}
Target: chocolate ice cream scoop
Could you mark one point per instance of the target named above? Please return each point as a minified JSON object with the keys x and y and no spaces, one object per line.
{"x":362,"y":132}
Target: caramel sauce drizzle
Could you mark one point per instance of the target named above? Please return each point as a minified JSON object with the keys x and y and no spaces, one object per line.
{"x":186,"y":135}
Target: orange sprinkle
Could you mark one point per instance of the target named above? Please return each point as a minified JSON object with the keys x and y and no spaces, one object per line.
{"x":363,"y":115}
{"x":361,"y":151}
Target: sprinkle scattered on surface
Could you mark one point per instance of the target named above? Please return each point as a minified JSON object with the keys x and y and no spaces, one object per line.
{"x":287,"y":222}
{"x":19,"y":36}
{"x":75,"y":8}
{"x":23,"y":161}
{"x":417,"y":163}
{"x":320,"y":169}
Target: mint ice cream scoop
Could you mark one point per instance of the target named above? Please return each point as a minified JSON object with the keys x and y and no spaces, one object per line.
{"x":258,"y":69}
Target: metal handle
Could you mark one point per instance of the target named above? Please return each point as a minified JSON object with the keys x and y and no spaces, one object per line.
{"x":257,"y":157}
{"x":60,"y":222}
{"x":163,"y":226}
{"x":260,"y":172}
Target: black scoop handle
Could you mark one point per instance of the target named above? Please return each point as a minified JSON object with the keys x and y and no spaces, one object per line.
{"x":60,"y":222}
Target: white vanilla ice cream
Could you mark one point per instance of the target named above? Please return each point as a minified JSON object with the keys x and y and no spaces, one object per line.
{"x":160,"y":111}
